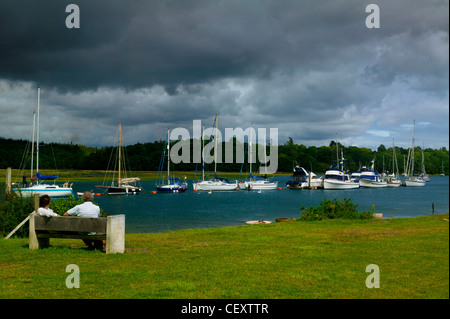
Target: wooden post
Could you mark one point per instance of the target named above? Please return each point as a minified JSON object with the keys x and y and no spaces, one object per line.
{"x":36,"y":202}
{"x":432,"y":207}
{"x":8,"y":182}
{"x":34,"y":243}
{"x":115,"y":234}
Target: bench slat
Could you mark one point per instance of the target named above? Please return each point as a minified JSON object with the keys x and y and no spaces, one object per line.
{"x":66,"y":223}
{"x":72,"y":236}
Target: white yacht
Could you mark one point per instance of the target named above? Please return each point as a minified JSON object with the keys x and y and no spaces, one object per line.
{"x":335,"y":178}
{"x":260,"y":183}
{"x":371,"y":178}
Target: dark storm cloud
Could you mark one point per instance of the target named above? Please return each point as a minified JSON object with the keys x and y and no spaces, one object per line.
{"x":135,"y":44}
{"x":310,"y":68}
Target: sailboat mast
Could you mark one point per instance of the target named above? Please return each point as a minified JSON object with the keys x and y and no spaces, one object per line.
{"x":250,"y":148}
{"x":412,"y":149}
{"x":215,"y":145}
{"x":203,"y":154}
{"x":120,"y":133}
{"x":37,"y":137}
{"x":393,"y":159}
{"x":32,"y":143}
{"x":168,"y":156}
{"x":337,"y":152}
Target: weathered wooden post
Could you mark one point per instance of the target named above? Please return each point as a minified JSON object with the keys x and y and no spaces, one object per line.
{"x":8,"y":182}
{"x":36,"y":202}
{"x":34,"y":243}
{"x":115,"y":234}
{"x":432,"y":207}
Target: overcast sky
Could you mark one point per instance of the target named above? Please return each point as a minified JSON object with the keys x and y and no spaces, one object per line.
{"x":309,"y":68}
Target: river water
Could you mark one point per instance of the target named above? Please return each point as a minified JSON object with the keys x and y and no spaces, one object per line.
{"x":148,"y":212}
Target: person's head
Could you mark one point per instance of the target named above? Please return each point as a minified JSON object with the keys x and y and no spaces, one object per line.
{"x":87,"y":197}
{"x":44,"y":201}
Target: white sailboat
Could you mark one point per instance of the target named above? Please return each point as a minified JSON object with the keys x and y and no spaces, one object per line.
{"x":123,"y":185}
{"x":424,"y":174}
{"x":218,"y":183}
{"x":412,"y":180}
{"x":336,"y":177}
{"x":393,"y":180}
{"x":37,"y":185}
{"x":258,"y":182}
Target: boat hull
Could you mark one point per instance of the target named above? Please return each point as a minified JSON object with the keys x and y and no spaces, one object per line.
{"x":215,"y":186}
{"x":50,"y":190}
{"x":336,"y":184}
{"x":130,"y":190}
{"x":394,"y":184}
{"x":414,"y":183}
{"x":263,"y":185}
{"x":371,"y":183}
{"x":171,"y":188}
{"x":305,"y":185}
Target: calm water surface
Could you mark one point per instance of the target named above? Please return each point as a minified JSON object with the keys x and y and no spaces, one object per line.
{"x":148,"y":212}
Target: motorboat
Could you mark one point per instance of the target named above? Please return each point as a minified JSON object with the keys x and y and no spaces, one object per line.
{"x":371,"y":178}
{"x":336,"y":178}
{"x":302,"y":178}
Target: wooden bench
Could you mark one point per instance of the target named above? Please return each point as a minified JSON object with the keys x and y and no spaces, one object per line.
{"x":111,"y":229}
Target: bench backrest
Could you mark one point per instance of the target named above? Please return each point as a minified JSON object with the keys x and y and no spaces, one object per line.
{"x":69,"y":223}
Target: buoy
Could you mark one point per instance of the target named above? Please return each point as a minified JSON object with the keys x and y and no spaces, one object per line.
{"x":195,"y":190}
{"x":154,"y":192}
{"x":98,"y":194}
{"x":237,"y":188}
{"x":279,"y":187}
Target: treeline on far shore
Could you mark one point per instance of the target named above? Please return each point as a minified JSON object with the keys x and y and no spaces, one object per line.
{"x":146,"y":157}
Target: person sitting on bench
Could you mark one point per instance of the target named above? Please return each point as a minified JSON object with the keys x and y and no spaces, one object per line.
{"x":87,"y":209}
{"x":44,"y":203}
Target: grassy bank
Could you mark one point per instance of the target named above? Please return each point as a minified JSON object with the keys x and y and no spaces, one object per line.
{"x":322,"y":259}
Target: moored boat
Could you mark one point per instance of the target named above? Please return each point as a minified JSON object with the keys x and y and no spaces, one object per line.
{"x":121,"y":186}
{"x":371,"y":178}
{"x":173,"y":185}
{"x":335,"y":178}
{"x":218,"y":183}
{"x":412,"y":180}
{"x":302,"y":178}
{"x":38,"y":185}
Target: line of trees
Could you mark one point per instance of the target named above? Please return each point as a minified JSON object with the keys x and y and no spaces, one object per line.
{"x":146,"y":157}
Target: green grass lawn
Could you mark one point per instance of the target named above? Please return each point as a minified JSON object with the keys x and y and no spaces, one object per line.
{"x":289,"y":260}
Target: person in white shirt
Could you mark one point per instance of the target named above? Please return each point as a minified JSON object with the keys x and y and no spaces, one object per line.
{"x":44,"y":210}
{"x":87,"y":209}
